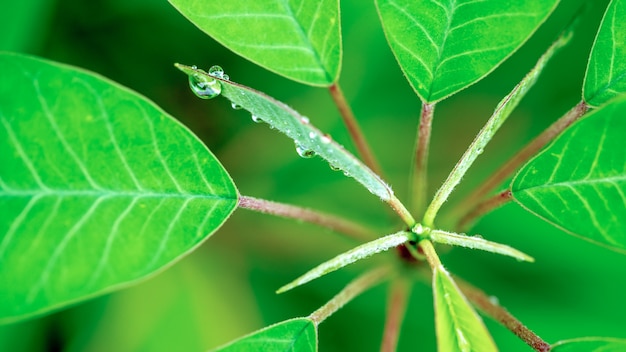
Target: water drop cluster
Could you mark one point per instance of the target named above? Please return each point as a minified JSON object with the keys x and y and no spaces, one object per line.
{"x":205,"y":87}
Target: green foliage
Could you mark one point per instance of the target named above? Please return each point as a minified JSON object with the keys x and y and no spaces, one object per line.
{"x":459,"y":328}
{"x":581,"y":186}
{"x":297,"y":335}
{"x":606,"y":72}
{"x":297,"y":39}
{"x":98,"y":187}
{"x":430,"y":39}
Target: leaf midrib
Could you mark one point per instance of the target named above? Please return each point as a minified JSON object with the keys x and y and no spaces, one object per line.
{"x":108,"y":193}
{"x":578,"y":182}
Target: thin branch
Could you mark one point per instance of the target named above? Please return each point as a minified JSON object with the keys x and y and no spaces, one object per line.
{"x":431,"y":255}
{"x":353,"y":128}
{"x":353,"y":289}
{"x":420,"y":180}
{"x":337,"y":224}
{"x":490,"y":307}
{"x":401,"y":210}
{"x":483,"y":208}
{"x":522,"y":156}
{"x":396,"y":308}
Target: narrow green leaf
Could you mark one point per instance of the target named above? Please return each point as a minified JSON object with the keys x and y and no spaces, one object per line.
{"x":578,"y":183}
{"x":298,"y":39}
{"x":502,"y":112}
{"x":444,"y":46}
{"x":590,"y":344}
{"x":459,"y":328}
{"x":361,"y":252}
{"x":98,"y":187}
{"x":308,"y":139}
{"x":294,"y":335}
{"x":606,"y":72}
{"x":473,"y":242}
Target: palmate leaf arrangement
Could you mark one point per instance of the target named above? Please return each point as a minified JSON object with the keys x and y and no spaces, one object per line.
{"x":99,"y":187}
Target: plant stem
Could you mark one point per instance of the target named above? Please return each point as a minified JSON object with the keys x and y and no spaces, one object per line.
{"x":353,"y":289}
{"x":396,"y":309}
{"x":420,"y":180}
{"x":401,"y":210}
{"x":488,"y":306}
{"x":522,"y":156}
{"x":349,"y":228}
{"x":431,"y":255}
{"x":353,"y":128}
{"x":483,"y":208}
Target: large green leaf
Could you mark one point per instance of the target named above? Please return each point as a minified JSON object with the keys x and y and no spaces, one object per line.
{"x":606,"y":71}
{"x":459,"y":328}
{"x":590,"y":344}
{"x":444,"y":46}
{"x":578,"y":183}
{"x":295,"y":335}
{"x":298,"y":39}
{"x":98,"y":187}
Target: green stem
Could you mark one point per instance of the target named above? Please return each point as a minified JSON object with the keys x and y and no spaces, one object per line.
{"x":396,"y":309}
{"x":483,"y":208}
{"x":331,"y":222}
{"x":522,"y":156}
{"x":491,"y":308}
{"x":431,"y":255}
{"x":353,"y":289}
{"x":402,"y":211}
{"x":353,"y":128}
{"x":420,"y":173}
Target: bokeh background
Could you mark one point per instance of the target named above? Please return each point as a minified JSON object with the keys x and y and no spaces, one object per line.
{"x":225,"y":289}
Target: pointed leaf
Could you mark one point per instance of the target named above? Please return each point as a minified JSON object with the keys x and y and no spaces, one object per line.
{"x":361,"y":252}
{"x":298,"y":39}
{"x":309,"y":140}
{"x":476,"y":242}
{"x":297,"y":335}
{"x":98,"y":187}
{"x":606,"y":71}
{"x":578,"y":183}
{"x":590,"y":344}
{"x":444,"y":46}
{"x":459,"y":328}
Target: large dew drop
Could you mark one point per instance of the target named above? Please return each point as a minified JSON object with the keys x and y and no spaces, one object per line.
{"x":203,"y":87}
{"x":304,"y":152}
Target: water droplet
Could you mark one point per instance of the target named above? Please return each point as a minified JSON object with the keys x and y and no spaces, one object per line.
{"x":325,"y":139}
{"x":479,"y":151}
{"x":216,"y":71}
{"x":312,"y":135}
{"x":305,"y":120}
{"x":256,"y":119}
{"x":194,"y":67}
{"x":226,"y":77}
{"x":418,"y":229}
{"x":235,"y":106}
{"x":346,"y":173}
{"x":304,"y":152}
{"x":203,"y":87}
{"x":494,"y":300}
{"x":333,"y":167}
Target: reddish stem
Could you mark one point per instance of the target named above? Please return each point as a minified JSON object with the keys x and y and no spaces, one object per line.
{"x":483,"y":208}
{"x":400,"y":290}
{"x":420,"y":184}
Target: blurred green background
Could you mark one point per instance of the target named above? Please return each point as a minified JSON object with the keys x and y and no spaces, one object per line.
{"x":226,"y":288}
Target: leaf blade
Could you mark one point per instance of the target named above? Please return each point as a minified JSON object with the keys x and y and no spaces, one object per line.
{"x":590,"y":344}
{"x":100,"y":187}
{"x":429,"y":39}
{"x":458,"y":326}
{"x":605,"y":77}
{"x":578,"y":183}
{"x":298,"y":39}
{"x":298,"y":335}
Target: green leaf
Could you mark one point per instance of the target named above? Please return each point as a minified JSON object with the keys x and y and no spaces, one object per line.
{"x":443,"y":46}
{"x":475,"y":242}
{"x":98,"y":187}
{"x":361,"y":252}
{"x":298,"y":39}
{"x":504,"y":109}
{"x":308,"y":139}
{"x":297,"y":335}
{"x":606,"y":72}
{"x":578,"y":183}
{"x":590,"y":344}
{"x":459,"y":328}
